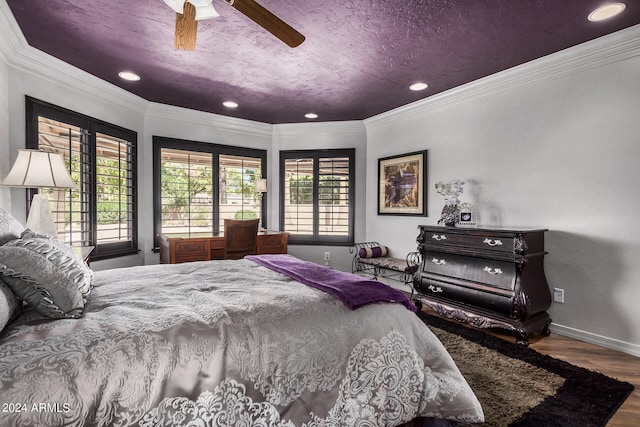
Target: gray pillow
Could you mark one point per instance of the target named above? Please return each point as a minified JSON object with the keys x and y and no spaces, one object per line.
{"x":10,"y":306}
{"x":10,"y":228}
{"x":46,"y":274}
{"x":67,"y":259}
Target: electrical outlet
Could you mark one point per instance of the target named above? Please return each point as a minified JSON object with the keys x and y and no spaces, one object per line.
{"x":327,"y":256}
{"x":558,"y":295}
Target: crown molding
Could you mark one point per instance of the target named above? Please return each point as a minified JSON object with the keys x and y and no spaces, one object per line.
{"x":619,"y":46}
{"x":10,"y":34}
{"x":187,"y":116}
{"x":33,"y":61}
{"x":18,"y":55}
{"x":349,"y":128}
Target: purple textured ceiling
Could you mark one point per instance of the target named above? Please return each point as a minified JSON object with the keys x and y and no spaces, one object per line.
{"x":358,"y":59}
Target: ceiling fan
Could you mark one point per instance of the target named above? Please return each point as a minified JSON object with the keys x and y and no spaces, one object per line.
{"x":189,"y":12}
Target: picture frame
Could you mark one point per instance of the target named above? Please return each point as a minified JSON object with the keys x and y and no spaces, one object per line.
{"x":402,"y":184}
{"x":467,"y":216}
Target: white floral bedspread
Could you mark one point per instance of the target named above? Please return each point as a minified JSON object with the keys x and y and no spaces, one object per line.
{"x":225,"y":343}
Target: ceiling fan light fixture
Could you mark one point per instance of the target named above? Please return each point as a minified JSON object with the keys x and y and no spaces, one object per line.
{"x":206,"y":12}
{"x":129,"y":75}
{"x":177,"y":5}
{"x":607,"y":11}
{"x":311,"y":116}
{"x":230,"y":104}
{"x":418,"y":86}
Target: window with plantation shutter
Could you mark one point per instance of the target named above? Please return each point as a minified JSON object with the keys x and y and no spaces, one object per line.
{"x":198,"y":185}
{"x":237,"y":197}
{"x":186,"y":193}
{"x":102,"y":210}
{"x":316,"y":196}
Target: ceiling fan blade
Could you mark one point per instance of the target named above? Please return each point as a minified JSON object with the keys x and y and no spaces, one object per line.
{"x":268,"y":21}
{"x":186,"y":28}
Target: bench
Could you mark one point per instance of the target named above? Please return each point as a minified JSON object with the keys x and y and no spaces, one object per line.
{"x":371,"y":259}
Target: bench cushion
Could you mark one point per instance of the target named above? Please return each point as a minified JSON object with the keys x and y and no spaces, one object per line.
{"x":395,"y":264}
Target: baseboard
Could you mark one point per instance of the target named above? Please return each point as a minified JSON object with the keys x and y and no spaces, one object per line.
{"x":611,"y":343}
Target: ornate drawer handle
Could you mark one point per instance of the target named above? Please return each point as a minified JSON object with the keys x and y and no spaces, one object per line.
{"x":493,"y":270}
{"x":435,"y":289}
{"x":439,"y":237}
{"x":437,"y":261}
{"x":490,"y":242}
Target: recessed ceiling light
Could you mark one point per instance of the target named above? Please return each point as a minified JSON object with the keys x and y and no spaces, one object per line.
{"x":230,"y":104}
{"x":311,"y":116}
{"x":607,"y":11}
{"x":129,"y":75}
{"x":418,"y":86}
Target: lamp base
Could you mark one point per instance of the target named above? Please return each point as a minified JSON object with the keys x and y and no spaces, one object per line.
{"x":40,"y":219}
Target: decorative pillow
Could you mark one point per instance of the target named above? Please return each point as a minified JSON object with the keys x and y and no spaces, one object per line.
{"x":10,"y":228}
{"x":374,"y":252}
{"x":46,"y":274}
{"x":28,"y":233}
{"x":78,"y":269}
{"x":10,"y":305}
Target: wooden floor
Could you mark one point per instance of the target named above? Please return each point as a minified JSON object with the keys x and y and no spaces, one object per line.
{"x":609,"y":362}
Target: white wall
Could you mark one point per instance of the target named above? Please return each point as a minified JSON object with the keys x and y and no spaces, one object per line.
{"x":333,"y":135}
{"x":6,"y":51}
{"x":553,"y":144}
{"x":5,"y":195}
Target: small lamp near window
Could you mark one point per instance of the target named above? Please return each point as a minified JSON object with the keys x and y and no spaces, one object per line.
{"x":260,"y":186}
{"x":39,"y":169}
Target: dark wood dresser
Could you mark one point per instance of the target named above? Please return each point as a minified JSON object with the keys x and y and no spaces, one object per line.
{"x":489,"y":278}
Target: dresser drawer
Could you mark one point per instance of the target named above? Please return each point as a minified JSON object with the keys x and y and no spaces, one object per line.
{"x":192,"y":250}
{"x":272,"y":243}
{"x":499,"y":274}
{"x":475,"y":241}
{"x":498,"y":302}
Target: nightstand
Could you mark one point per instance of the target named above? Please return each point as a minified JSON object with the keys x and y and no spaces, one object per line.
{"x":84,"y":252}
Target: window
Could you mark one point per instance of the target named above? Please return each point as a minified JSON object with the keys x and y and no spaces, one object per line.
{"x":316,"y":196}
{"x":101,"y":158}
{"x":197,"y":186}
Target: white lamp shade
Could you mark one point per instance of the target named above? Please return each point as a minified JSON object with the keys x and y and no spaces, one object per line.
{"x":39,"y":169}
{"x":261,"y":185}
{"x":204,"y":8}
{"x":177,"y":5}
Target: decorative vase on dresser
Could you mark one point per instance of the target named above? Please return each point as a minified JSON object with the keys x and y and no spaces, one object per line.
{"x":489,"y":278}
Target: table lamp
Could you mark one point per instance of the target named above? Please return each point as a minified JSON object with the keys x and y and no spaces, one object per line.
{"x":39,"y":169}
{"x":260,"y":186}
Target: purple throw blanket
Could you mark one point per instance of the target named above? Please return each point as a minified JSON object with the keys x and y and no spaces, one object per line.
{"x":354,"y":291}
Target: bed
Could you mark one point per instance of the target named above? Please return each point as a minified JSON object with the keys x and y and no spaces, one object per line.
{"x":222,"y":343}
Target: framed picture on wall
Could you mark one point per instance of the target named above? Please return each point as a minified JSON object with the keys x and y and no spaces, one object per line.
{"x":402,"y":184}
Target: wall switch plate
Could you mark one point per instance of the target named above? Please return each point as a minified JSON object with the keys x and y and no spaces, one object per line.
{"x":558,"y":295}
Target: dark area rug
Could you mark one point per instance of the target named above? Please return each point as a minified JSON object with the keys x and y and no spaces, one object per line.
{"x":519,"y":387}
